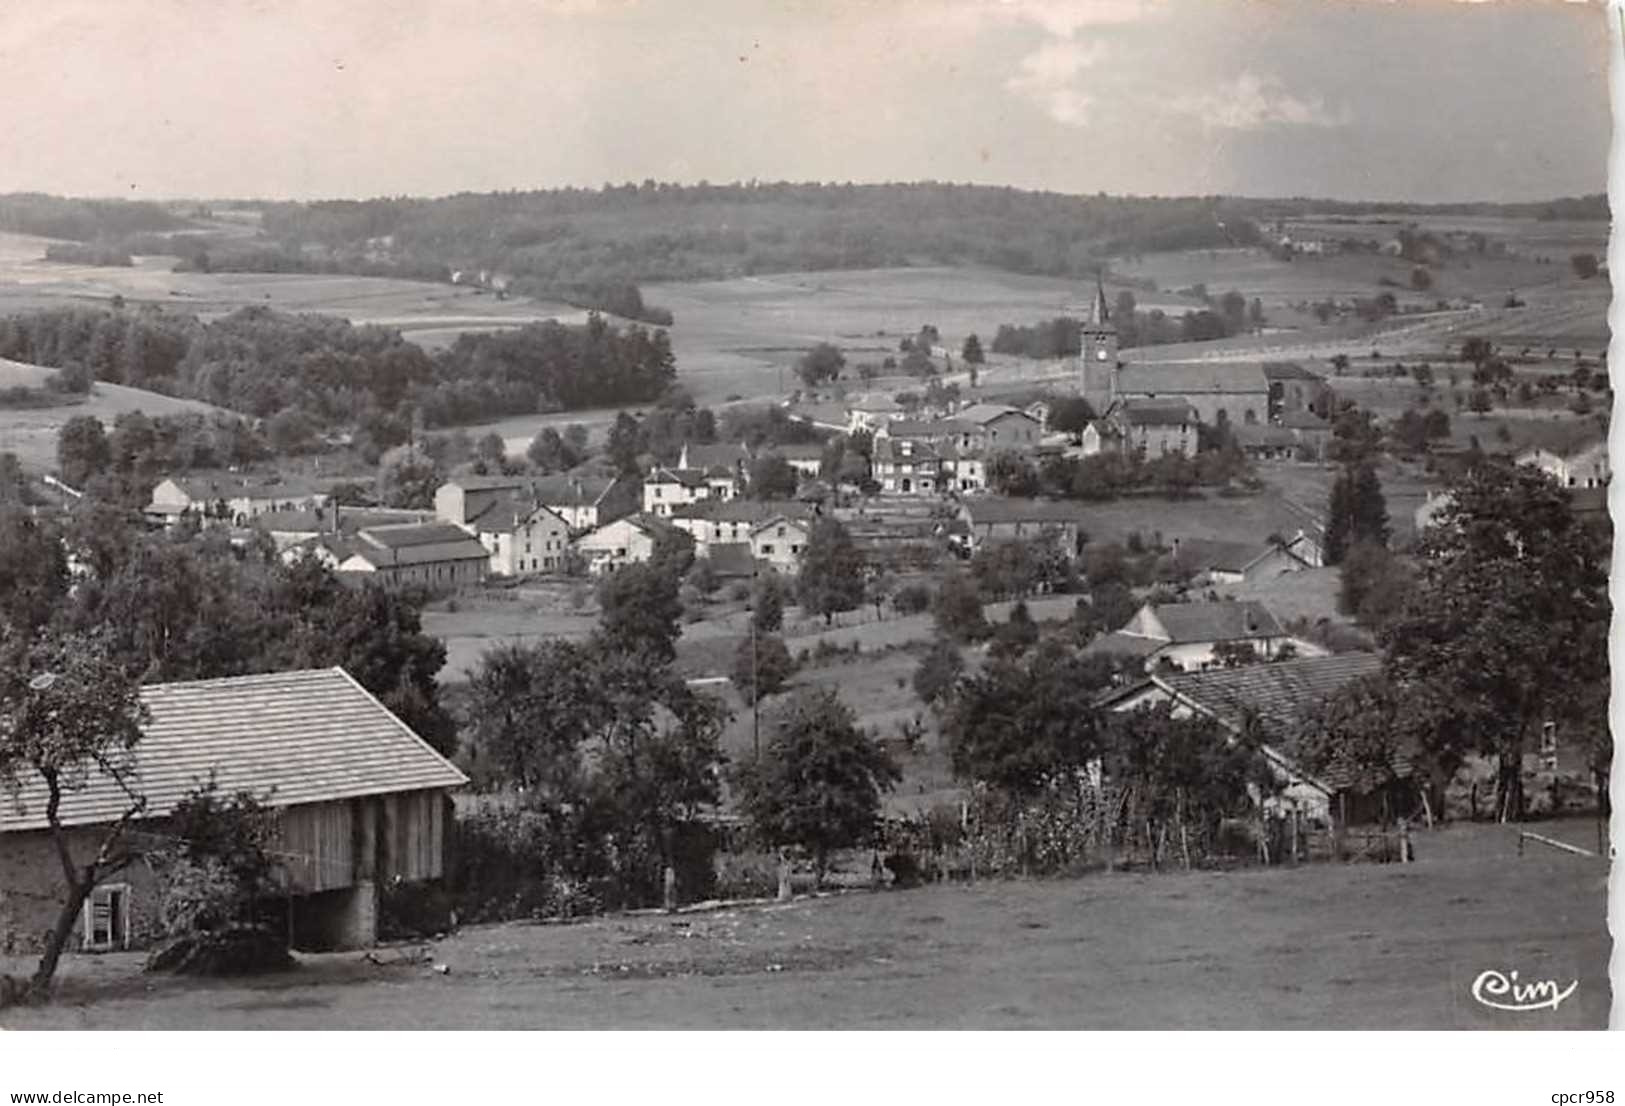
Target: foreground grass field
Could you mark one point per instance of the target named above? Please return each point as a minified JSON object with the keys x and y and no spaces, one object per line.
{"x":1325,"y":946}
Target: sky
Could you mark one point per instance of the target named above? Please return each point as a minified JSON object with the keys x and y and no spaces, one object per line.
{"x":1426,"y":100}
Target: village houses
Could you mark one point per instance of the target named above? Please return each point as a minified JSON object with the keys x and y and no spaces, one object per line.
{"x":626,"y":541}
{"x":1187,"y":636}
{"x":229,"y":498}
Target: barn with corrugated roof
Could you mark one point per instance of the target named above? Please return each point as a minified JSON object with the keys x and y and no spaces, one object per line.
{"x":360,"y":800}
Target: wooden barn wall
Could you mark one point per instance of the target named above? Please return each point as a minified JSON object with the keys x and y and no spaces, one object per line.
{"x":316,"y":840}
{"x":412,"y":835}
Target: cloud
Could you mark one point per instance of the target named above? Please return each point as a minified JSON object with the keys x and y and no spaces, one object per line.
{"x":1252,"y":102}
{"x":1065,"y":18}
{"x":1048,"y":77}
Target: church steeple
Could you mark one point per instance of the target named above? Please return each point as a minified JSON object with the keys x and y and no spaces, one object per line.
{"x":1098,"y":352}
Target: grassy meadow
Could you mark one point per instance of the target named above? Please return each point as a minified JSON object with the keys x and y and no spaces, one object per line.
{"x":1322,"y":946}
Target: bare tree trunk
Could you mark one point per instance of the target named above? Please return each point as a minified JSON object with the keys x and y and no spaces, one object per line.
{"x":784,"y":874}
{"x":40,"y":985}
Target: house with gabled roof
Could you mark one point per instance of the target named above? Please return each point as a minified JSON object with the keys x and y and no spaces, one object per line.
{"x":780,"y":539}
{"x":1207,"y":561}
{"x":993,"y":519}
{"x":1185,"y":636}
{"x":1585,"y":467}
{"x":432,"y":554}
{"x":586,"y":501}
{"x":729,"y":522}
{"x":523,"y":538}
{"x":626,"y":541}
{"x":1155,"y":427}
{"x":1273,"y":701}
{"x":359,"y":799}
{"x":667,"y":488}
{"x":229,"y":498}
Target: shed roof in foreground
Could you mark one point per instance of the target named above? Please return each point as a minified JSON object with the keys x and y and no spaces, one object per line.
{"x":307,"y":736}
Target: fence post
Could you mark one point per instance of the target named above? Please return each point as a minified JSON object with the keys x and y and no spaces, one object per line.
{"x":1296,"y":814}
{"x":1404,"y":841}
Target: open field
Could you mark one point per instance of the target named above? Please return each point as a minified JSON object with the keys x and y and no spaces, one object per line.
{"x":430,"y":313}
{"x":31,"y":434}
{"x":1324,"y":946}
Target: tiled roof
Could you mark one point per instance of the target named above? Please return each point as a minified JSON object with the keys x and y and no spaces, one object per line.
{"x":570,"y":491}
{"x":1258,"y":436}
{"x":1198,"y":554}
{"x":1192,"y":378}
{"x":1279,"y":693}
{"x":1226,"y":621}
{"x":928,"y":428}
{"x":1118,"y":642}
{"x":798,"y":451}
{"x":719,"y":455}
{"x":466,"y":549}
{"x":291,"y":737}
{"x":508,"y":514}
{"x":487,"y":483}
{"x":738,"y":510}
{"x":983,"y":413}
{"x":1157,"y":412}
{"x":350,"y":519}
{"x":213,"y":486}
{"x":407,"y":535}
{"x":692,"y":478}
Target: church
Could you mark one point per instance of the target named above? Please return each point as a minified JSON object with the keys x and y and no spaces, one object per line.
{"x":1241,"y":392}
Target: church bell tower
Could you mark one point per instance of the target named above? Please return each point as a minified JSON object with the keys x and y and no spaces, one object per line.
{"x":1098,"y":341}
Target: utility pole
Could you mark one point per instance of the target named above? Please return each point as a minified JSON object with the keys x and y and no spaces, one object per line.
{"x":755,"y":697}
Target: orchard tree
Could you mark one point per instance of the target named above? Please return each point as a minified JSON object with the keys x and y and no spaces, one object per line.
{"x":1359,"y":733}
{"x":70,"y":720}
{"x":1019,"y":727}
{"x":937,"y":673}
{"x":822,"y":363}
{"x":641,"y":612}
{"x":772,"y":477}
{"x":762,"y":666}
{"x":957,"y":609}
{"x":820,"y":780}
{"x":82,"y":450}
{"x":971,"y":351}
{"x":1507,"y":626}
{"x":831,"y":577}
{"x":767,"y":603}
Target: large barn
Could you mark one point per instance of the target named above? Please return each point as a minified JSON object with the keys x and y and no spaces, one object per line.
{"x":360,"y":798}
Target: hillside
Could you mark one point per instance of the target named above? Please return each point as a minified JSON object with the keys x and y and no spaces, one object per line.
{"x":31,"y":434}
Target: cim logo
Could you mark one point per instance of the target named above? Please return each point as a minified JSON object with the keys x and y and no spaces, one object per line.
{"x":1504,"y":992}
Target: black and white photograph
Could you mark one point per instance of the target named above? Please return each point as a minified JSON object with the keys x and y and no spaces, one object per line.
{"x":803,"y":515}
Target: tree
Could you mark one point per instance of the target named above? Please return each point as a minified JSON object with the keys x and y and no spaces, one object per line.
{"x":82,"y":450}
{"x":831,"y":577}
{"x":492,"y":449}
{"x":641,"y":613}
{"x":1476,"y":350}
{"x":549,"y":453}
{"x":957,"y":608}
{"x":1018,"y":634}
{"x":771,"y":477}
{"x":1010,"y":473}
{"x":33,"y":569}
{"x":1507,"y":625}
{"x":1585,"y":265}
{"x":532,"y":707}
{"x":938,"y":672}
{"x":767,"y":603}
{"x":624,"y":444}
{"x":1018,"y":727}
{"x":1421,"y":278}
{"x":69,"y":717}
{"x":1355,"y":511}
{"x":290,"y":431}
{"x":971,"y":351}
{"x":1070,"y":415}
{"x":762,"y":666}
{"x":1479,"y":402}
{"x":408,"y":478}
{"x":822,"y":363}
{"x":1373,"y":584}
{"x":1340,"y":363}
{"x":1358,"y":733}
{"x":820,"y":780}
